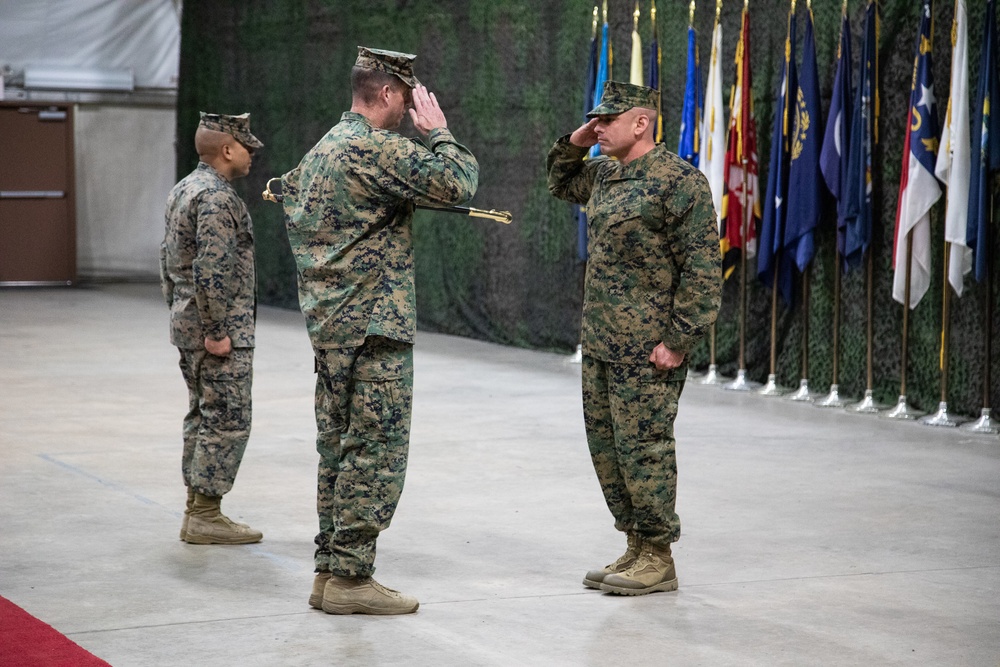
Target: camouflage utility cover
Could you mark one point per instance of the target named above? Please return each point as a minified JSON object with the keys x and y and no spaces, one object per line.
{"x":207,"y":262}
{"x":390,"y":62}
{"x":237,"y":126}
{"x":619,"y":97}
{"x":348,"y":212}
{"x":654,"y":268}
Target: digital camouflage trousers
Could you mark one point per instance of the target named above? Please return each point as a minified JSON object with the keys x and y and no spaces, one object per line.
{"x":629,"y":412}
{"x":364,"y":398}
{"x":217,"y":424}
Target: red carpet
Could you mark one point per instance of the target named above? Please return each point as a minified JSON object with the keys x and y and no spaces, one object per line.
{"x":27,"y":642}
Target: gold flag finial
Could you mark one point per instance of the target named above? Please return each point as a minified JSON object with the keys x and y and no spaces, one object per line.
{"x":718,"y":9}
{"x":593,"y":31}
{"x":652,"y":13}
{"x":605,"y":11}
{"x":691,"y":13}
{"x":793,"y":6}
{"x":635,"y":16}
{"x":843,"y":9}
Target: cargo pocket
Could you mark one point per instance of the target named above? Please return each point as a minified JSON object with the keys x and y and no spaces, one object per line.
{"x":226,"y":385}
{"x":659,"y":392}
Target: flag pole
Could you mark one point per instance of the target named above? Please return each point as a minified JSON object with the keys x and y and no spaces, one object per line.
{"x":771,"y":388}
{"x":832,"y":399}
{"x":802,"y":393}
{"x":712,"y":377}
{"x":941,"y":417}
{"x":868,"y":404}
{"x":985,"y":424}
{"x":903,"y":410}
{"x":741,"y":383}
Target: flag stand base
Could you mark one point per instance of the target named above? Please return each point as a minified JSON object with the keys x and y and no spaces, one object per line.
{"x":832,"y":400}
{"x":983,"y":425}
{"x":941,"y":418}
{"x":576,"y":357}
{"x":867,"y":405}
{"x":741,"y":383}
{"x":772,"y":388}
{"x":802,"y":393}
{"x":903,"y":410}
{"x":713,"y":377}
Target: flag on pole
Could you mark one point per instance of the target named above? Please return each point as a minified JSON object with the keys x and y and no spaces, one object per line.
{"x":770,"y":259}
{"x":803,"y":172}
{"x":954,"y":154}
{"x":742,"y":147}
{"x":688,"y":142}
{"x":654,"y":72}
{"x":588,"y":104}
{"x":836,"y":139}
{"x":711,"y":157}
{"x":859,"y":214}
{"x":635,"y":71}
{"x":918,"y":188}
{"x":603,"y":71}
{"x":986,"y":140}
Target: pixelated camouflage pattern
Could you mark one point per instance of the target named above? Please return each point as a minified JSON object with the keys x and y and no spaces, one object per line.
{"x":348,"y":213}
{"x":618,"y":97}
{"x":390,"y":62}
{"x":629,"y":412}
{"x":207,"y":262}
{"x":217,"y":425}
{"x":237,"y":126}
{"x":653,"y":270}
{"x":363,"y":405}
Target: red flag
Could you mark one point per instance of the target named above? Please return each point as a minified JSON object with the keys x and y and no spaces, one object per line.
{"x":740,"y":183}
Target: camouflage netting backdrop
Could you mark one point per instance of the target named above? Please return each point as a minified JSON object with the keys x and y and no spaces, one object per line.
{"x":510,"y":77}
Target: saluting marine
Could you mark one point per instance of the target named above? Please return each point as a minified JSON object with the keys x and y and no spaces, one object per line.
{"x":348,"y":212}
{"x":653,"y":287}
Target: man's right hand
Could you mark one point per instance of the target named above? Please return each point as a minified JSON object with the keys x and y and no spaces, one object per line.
{"x":426,"y":113}
{"x":584,"y":136}
{"x":219,"y":348}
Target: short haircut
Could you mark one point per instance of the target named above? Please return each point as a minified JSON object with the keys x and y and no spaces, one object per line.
{"x":366,"y":83}
{"x":209,"y":143}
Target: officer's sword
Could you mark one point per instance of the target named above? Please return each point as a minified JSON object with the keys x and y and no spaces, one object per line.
{"x":500,"y":216}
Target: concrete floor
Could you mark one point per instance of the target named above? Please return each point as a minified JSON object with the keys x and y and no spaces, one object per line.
{"x":810,"y":536}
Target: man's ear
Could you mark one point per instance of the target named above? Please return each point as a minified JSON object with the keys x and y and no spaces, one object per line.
{"x":383,"y":94}
{"x":641,"y":123}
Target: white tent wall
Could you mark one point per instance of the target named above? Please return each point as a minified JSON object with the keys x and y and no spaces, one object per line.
{"x":124,"y":142}
{"x":125,"y":166}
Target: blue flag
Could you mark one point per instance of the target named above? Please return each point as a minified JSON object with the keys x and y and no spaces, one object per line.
{"x":687,"y":144}
{"x":772,"y":228}
{"x":836,"y":140}
{"x":803,"y":172}
{"x":858,"y":213}
{"x":601,"y":78}
{"x":588,"y":104}
{"x":985,"y":147}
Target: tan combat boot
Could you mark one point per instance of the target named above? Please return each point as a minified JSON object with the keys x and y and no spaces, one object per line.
{"x":652,"y":571}
{"x":319,"y":583}
{"x":364,"y":595}
{"x":594,"y":578}
{"x":208,"y":525}
{"x":187,"y":512}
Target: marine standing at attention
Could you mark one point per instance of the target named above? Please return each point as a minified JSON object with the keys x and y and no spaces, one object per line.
{"x":208,"y":281}
{"x":653,"y":287}
{"x":348,"y":212}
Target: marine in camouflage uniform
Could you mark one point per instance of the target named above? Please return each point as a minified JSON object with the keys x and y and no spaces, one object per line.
{"x":348,"y":212}
{"x":652,"y":289}
{"x":208,"y":281}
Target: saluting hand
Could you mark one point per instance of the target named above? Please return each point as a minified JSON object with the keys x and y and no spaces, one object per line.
{"x":584,"y":136}
{"x":426,"y":113}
